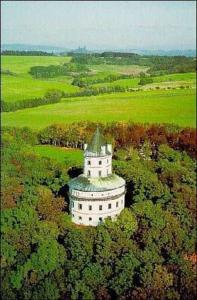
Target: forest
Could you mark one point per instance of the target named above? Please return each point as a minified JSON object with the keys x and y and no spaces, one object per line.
{"x":157,"y":64}
{"x":148,"y":253}
{"x":26,"y":53}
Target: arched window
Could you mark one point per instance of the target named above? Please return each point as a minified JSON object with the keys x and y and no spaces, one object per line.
{"x":100,"y":162}
{"x":100,"y":207}
{"x":90,"y":207}
{"x":109,"y":205}
{"x":89,"y":162}
{"x":89,"y":173}
{"x":116,"y":204}
{"x":90,"y":219}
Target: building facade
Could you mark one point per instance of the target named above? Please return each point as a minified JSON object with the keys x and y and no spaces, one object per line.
{"x":97,"y":193}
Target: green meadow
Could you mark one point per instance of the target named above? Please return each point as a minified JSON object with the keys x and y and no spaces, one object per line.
{"x":16,"y":88}
{"x":22,"y":64}
{"x":120,"y":69}
{"x":171,"y":80}
{"x":62,"y":155}
{"x":159,"y":106}
{"x":160,"y":101}
{"x":22,"y":86}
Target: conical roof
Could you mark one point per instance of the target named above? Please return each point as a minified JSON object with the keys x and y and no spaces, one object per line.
{"x":96,"y":142}
{"x":96,"y":184}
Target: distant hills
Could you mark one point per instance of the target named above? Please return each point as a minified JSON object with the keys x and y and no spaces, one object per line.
{"x":27,"y":47}
{"x":55,"y":49}
{"x":188,"y":53}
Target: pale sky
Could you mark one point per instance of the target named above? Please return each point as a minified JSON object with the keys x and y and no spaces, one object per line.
{"x":162,"y":25}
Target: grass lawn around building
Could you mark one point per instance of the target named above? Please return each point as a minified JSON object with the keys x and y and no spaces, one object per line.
{"x":72,"y":157}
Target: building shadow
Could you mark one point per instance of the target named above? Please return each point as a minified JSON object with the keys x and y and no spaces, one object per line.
{"x":75,"y":171}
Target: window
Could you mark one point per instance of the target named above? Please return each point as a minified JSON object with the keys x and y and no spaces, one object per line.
{"x":89,"y":162}
{"x":80,"y":218}
{"x":100,"y":219}
{"x":73,"y":215}
{"x":100,"y":207}
{"x":99,"y":173}
{"x":90,"y":219}
{"x":90,"y":207}
{"x":116,"y":204}
{"x":107,"y":160}
{"x":121,"y":201}
{"x":100,"y":162}
{"x":109,"y":205}
{"x":73,"y":204}
{"x":79,"y":206}
{"x":89,"y":173}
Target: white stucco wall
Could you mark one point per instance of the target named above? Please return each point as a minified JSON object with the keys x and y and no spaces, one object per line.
{"x":103,"y":204}
{"x":98,"y":166}
{"x":82,"y":214}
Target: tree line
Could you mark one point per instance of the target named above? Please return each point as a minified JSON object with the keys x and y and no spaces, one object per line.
{"x":53,"y":96}
{"x":147,"y":253}
{"x":121,"y":134}
{"x":56,"y":70}
{"x":158,"y":65}
{"x":26,"y":53}
{"x":82,"y":81}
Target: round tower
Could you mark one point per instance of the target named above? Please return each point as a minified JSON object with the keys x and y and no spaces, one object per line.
{"x":97,"y":193}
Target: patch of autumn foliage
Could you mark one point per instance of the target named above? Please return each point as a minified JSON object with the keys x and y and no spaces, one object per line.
{"x":121,"y":135}
{"x":192,"y":258}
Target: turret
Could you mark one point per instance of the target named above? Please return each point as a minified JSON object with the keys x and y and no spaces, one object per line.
{"x":97,"y":157}
{"x":96,"y":194}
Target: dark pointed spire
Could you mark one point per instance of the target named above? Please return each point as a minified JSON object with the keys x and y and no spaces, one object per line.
{"x":97,"y":142}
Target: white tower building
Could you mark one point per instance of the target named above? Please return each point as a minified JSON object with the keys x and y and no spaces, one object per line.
{"x":97,"y":193}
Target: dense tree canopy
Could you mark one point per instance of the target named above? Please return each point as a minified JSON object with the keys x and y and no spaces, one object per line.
{"x":145,"y":254}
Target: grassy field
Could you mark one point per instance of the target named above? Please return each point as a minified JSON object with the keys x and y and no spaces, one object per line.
{"x":168,"y":106}
{"x":62,"y":155}
{"x":127,"y":69}
{"x":22,"y":64}
{"x":171,"y":80}
{"x":22,"y":86}
{"x":124,"y":69}
{"x":16,"y":88}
